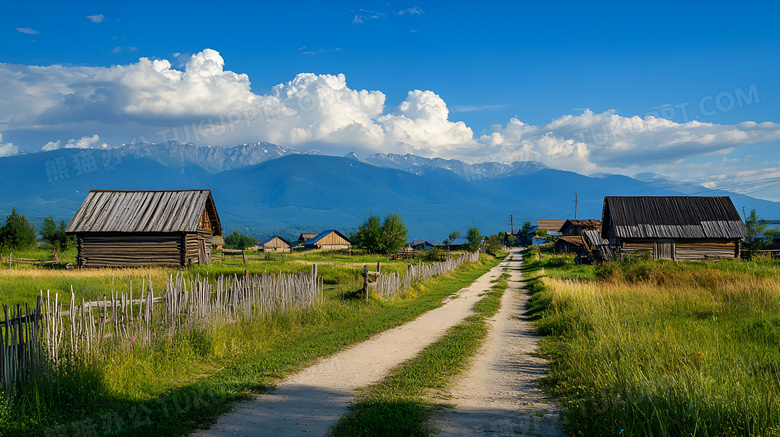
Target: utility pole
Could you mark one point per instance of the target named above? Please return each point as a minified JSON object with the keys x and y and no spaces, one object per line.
{"x":743,"y":214}
{"x":511,"y":224}
{"x":575,"y":206}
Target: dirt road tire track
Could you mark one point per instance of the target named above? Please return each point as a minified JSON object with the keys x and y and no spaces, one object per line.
{"x":311,"y":401}
{"x":499,"y":393}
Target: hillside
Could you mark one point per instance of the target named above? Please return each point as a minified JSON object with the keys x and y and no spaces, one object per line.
{"x":297,"y":192}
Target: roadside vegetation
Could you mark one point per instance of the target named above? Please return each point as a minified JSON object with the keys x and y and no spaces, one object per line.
{"x":663,"y":348}
{"x":401,"y":404}
{"x":175,"y":385}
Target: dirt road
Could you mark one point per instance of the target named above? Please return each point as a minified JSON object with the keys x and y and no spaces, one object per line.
{"x":311,"y":401}
{"x":499,"y":394}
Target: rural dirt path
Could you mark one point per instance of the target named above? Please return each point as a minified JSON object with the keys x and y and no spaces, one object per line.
{"x":311,"y":401}
{"x":499,"y":393}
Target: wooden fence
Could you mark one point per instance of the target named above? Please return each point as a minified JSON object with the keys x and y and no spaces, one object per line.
{"x":32,"y":340}
{"x":16,"y":260}
{"x":393,"y":284}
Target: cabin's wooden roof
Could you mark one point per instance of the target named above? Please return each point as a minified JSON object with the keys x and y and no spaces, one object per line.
{"x":144,"y":212}
{"x":549,"y":225}
{"x":594,"y":236}
{"x":575,"y":240}
{"x":270,"y":239}
{"x":582,"y":224}
{"x":671,"y":217}
{"x":322,"y":235}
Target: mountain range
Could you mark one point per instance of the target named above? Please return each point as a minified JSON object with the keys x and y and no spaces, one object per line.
{"x":264,"y":189}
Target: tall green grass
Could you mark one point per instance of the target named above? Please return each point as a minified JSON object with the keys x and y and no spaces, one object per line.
{"x":178,"y":384}
{"x":664,"y":348}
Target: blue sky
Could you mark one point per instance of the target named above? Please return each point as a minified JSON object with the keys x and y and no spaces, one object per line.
{"x":487,"y":81}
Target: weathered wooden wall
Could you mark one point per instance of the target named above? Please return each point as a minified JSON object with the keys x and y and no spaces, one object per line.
{"x":144,"y":250}
{"x":685,"y":249}
{"x":130,"y":250}
{"x":276,"y":245}
{"x":333,"y":241}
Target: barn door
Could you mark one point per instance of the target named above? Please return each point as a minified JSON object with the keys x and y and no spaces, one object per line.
{"x":663,"y":250}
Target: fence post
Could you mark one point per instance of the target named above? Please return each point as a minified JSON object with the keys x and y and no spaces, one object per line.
{"x":243,"y":255}
{"x":365,"y":281}
{"x":378,"y":268}
{"x":10,"y":259}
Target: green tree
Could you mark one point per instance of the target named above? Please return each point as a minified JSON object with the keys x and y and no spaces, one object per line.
{"x":541,"y":233}
{"x":237,"y":240}
{"x":54,"y":236}
{"x":526,"y":227}
{"x":473,"y":240}
{"x":493,"y":244}
{"x":453,"y":236}
{"x":368,"y":234}
{"x":17,"y":233}
{"x":758,"y":236}
{"x":393,"y":236}
{"x":511,"y":239}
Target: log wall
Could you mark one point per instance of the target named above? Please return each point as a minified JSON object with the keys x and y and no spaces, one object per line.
{"x":119,"y":250}
{"x":686,"y":249}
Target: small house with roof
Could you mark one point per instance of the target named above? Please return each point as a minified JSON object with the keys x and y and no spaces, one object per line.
{"x":306,"y":236}
{"x":673,"y":227}
{"x":330,"y":239}
{"x":275,"y":244}
{"x":145,"y":228}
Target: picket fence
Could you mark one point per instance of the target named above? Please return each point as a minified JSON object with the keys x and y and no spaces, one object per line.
{"x":389,"y":285}
{"x":35,"y":340}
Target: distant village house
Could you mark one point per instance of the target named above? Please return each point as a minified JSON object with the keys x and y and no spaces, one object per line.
{"x":275,"y":244}
{"x":330,"y":239}
{"x":552,"y":227}
{"x":306,"y":236}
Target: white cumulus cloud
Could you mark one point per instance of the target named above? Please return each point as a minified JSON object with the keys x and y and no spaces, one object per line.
{"x":199,"y":101}
{"x":607,"y":141}
{"x":7,"y":149}
{"x":51,"y":145}
{"x":96,"y":18}
{"x":83,"y":143}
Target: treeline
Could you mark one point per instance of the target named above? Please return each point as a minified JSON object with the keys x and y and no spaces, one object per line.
{"x":19,"y":234}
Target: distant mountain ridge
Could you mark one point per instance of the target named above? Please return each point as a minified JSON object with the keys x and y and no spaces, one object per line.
{"x":217,"y":159}
{"x":212,"y":159}
{"x":262,"y":189}
{"x":419,"y":165}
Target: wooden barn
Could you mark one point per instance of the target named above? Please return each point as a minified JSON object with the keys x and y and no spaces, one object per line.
{"x":571,"y":244}
{"x":275,"y":244}
{"x":330,"y":239}
{"x":306,"y":236}
{"x":145,"y":228}
{"x":578,"y":226}
{"x":672,"y":227}
{"x":572,"y":238}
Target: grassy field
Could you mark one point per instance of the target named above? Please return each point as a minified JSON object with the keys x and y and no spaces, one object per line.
{"x":178,"y":384}
{"x":646,"y":348}
{"x":23,"y":283}
{"x":399,"y":405}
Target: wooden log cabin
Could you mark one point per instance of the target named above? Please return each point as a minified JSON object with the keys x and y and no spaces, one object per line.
{"x":275,"y":244}
{"x":328,"y":240}
{"x":145,"y":228}
{"x":673,"y":227}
